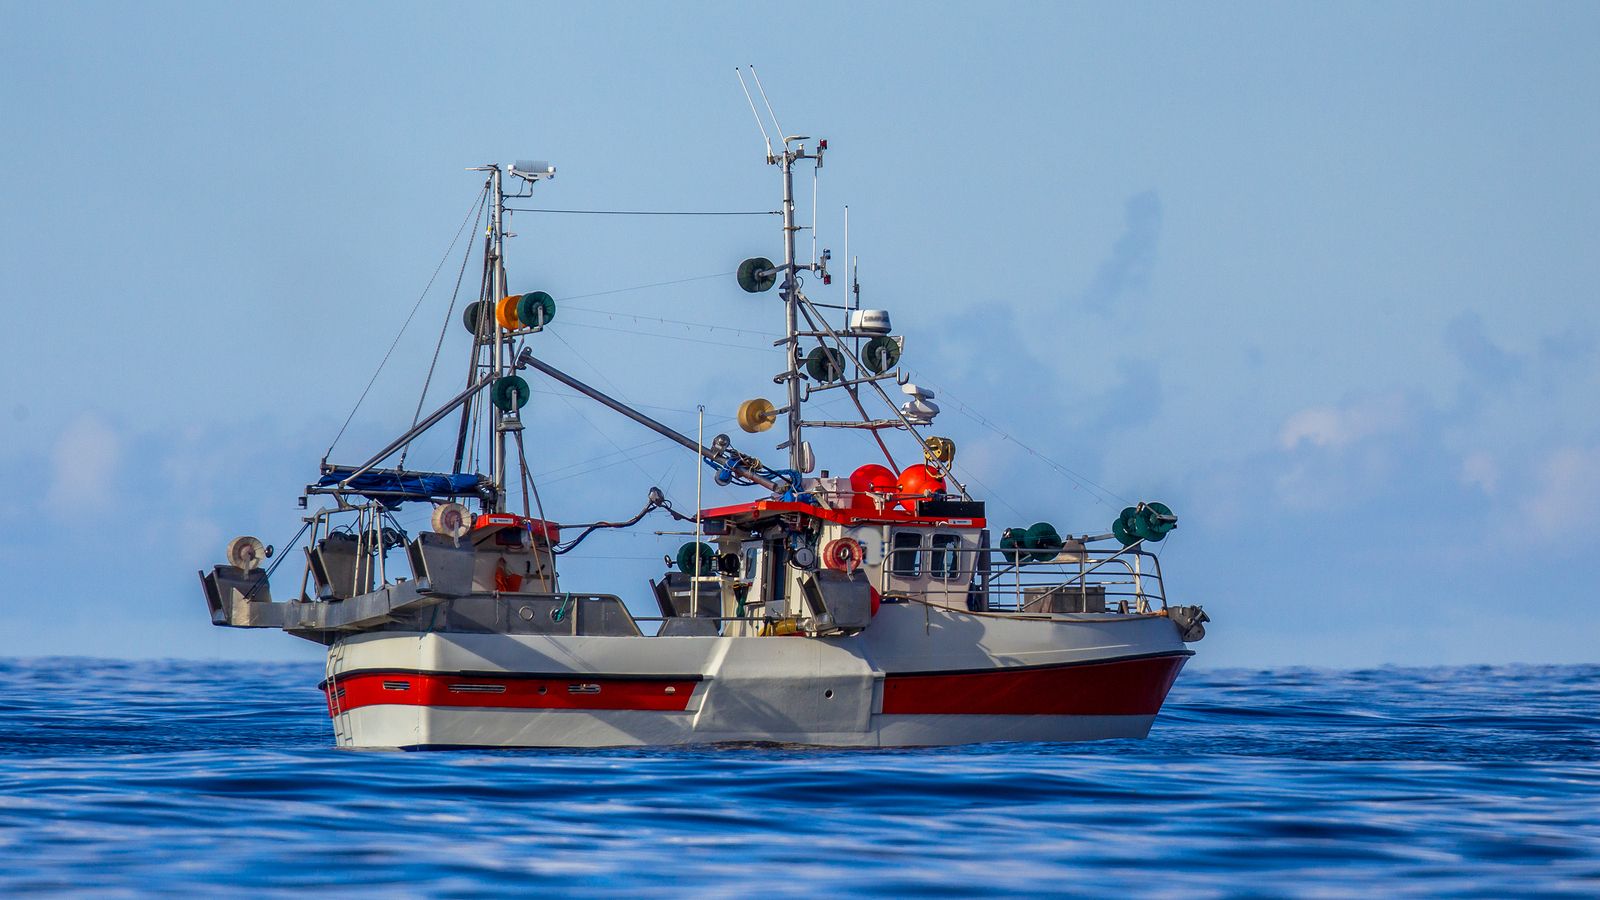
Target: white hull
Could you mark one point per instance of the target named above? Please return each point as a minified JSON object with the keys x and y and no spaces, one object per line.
{"x":920,"y":675}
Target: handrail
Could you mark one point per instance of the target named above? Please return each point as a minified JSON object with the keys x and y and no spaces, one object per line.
{"x":1012,"y":579}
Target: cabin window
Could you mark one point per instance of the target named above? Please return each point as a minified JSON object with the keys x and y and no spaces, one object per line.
{"x":510,"y":537}
{"x":907,"y":560}
{"x":945,"y":561}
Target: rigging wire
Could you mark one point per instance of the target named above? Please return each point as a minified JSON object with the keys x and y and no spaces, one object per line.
{"x":1083,"y":483}
{"x":593,"y":368}
{"x":648,"y":212}
{"x":669,"y":337}
{"x":579,"y":413}
{"x":640,"y":287}
{"x":528,"y":487}
{"x":483,"y":199}
{"x":279,"y":561}
{"x":414,"y":307}
{"x":706,"y":325}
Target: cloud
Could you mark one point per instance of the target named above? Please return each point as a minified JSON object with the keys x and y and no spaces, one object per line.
{"x":1482,"y":357}
{"x":1564,"y":503}
{"x":1127,"y":269}
{"x":1337,"y":455}
{"x":84,"y":464}
{"x":1134,"y":400}
{"x":1479,"y":470}
{"x":1336,"y":427}
{"x":1568,"y":346}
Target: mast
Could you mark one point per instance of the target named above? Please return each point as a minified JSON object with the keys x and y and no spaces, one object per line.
{"x":790,"y":291}
{"x":497,"y":289}
{"x":499,"y":364}
{"x":791,"y":303}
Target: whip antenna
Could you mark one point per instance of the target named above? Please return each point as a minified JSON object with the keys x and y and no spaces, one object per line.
{"x":853,"y":293}
{"x":767,"y":102}
{"x":748,"y":99}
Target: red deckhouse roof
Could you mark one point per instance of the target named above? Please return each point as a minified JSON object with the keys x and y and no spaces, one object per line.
{"x":853,"y":516}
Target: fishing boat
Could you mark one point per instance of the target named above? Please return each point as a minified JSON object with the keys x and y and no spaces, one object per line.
{"x":879,"y":607}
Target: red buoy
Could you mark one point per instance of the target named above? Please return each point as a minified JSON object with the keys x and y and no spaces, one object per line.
{"x":871,"y":477}
{"x":917,"y":482}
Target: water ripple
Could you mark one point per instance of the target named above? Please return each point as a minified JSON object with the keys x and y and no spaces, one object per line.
{"x":125,"y":778}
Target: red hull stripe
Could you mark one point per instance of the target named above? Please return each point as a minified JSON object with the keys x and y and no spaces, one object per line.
{"x":1128,"y":687}
{"x":355,"y":690}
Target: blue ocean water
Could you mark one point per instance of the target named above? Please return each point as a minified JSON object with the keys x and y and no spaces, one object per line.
{"x":137,"y":777}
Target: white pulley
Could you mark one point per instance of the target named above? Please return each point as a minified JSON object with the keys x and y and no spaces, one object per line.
{"x":452,"y":520}
{"x":246,"y":552}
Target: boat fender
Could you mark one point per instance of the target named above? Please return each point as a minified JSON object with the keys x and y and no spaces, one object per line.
{"x":843,"y":555}
{"x":877,"y":598}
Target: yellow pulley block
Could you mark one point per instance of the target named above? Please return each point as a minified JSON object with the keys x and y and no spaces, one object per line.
{"x":939,"y":450}
{"x":756,"y":415}
{"x":506,"y":312}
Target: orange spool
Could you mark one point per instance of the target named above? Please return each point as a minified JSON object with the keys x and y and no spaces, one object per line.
{"x":842,"y":555}
{"x":917,"y":482}
{"x":506,"y":312}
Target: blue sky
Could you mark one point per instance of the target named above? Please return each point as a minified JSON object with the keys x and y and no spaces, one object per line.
{"x":1320,"y":277}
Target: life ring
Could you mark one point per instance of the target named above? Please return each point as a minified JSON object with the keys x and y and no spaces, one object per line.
{"x":842,"y":555}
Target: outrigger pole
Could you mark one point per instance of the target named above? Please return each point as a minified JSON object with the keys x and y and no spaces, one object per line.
{"x":715,"y":453}
{"x":418,"y":428}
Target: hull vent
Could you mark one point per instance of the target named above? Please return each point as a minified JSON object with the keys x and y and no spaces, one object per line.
{"x":477,"y":689}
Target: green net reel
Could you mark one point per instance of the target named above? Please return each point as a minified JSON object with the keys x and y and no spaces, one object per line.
{"x":751,"y":276}
{"x":880,"y":354}
{"x":536,"y":309}
{"x":1044,"y":540}
{"x":478,"y":317}
{"x":1011,"y":541}
{"x":825,"y":364}
{"x":509,"y":390}
{"x":1148,"y":522}
{"x":688,"y":553}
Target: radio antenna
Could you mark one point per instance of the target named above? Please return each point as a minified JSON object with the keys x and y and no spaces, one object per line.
{"x":768,"y":103}
{"x":850,"y":291}
{"x":814,"y":215}
{"x":748,"y":99}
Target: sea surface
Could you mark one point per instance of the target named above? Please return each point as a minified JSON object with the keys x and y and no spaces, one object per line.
{"x":133,"y":778}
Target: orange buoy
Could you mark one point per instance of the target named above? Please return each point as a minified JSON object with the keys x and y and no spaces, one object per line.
{"x":918,"y":482}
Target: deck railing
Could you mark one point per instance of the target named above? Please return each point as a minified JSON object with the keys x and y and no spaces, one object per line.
{"x":1086,"y":579}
